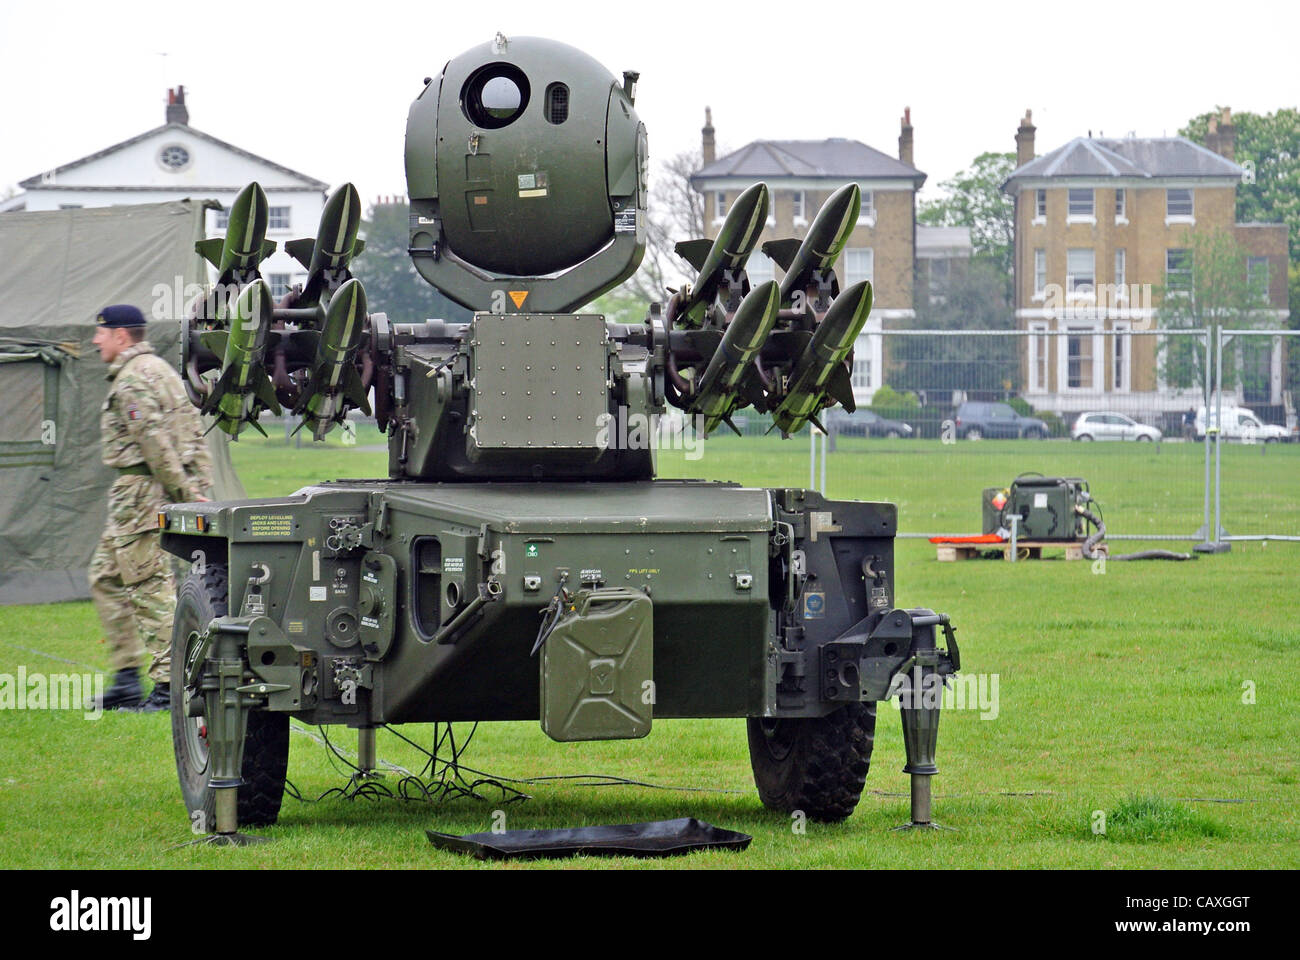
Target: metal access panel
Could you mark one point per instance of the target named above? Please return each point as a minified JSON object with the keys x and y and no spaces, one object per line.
{"x":1046,"y":507}
{"x":992,"y":500}
{"x":597,"y":667}
{"x":540,"y":382}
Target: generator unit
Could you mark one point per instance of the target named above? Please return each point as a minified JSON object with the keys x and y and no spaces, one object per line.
{"x":1050,"y":508}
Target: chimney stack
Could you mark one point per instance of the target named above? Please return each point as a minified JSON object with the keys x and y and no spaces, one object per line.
{"x":1025,"y":139}
{"x":905,"y":138}
{"x":176,"y":112}
{"x":708,"y":147}
{"x":1227,"y":147}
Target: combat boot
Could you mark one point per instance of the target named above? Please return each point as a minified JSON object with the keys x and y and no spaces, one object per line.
{"x":125,"y":691}
{"x":159,"y":699}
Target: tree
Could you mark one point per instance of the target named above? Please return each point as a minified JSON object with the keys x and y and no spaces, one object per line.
{"x":1268,"y":146}
{"x":385,"y":269}
{"x":1293,"y":349}
{"x":1207,"y":287}
{"x":676,"y":213}
{"x":974,"y":198}
{"x":973,"y":298}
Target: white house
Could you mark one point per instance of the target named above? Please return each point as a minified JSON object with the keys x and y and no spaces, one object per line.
{"x":175,"y":161}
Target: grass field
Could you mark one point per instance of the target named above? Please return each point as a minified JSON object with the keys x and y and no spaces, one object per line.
{"x":1160,"y":694}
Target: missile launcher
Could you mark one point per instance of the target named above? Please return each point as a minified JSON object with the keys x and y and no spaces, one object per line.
{"x":509,"y":501}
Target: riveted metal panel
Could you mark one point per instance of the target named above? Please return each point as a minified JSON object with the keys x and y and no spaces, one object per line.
{"x":540,"y":382}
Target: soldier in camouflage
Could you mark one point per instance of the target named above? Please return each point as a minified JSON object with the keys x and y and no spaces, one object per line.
{"x":153,"y":437}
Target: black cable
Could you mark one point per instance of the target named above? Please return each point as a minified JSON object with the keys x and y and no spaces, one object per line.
{"x":550,"y":617}
{"x":443,"y":776}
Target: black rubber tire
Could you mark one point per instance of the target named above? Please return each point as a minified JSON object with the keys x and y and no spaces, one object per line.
{"x":816,"y":765}
{"x":203,"y":596}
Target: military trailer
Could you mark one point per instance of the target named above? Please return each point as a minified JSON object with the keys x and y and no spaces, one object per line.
{"x":521,"y":561}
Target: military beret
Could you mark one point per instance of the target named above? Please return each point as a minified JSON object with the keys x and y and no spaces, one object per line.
{"x":120,"y":315}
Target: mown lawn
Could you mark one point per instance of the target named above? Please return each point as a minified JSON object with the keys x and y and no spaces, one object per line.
{"x":1161,"y":694}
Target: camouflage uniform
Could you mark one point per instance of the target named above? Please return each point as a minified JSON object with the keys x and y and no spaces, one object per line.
{"x":150,"y":429}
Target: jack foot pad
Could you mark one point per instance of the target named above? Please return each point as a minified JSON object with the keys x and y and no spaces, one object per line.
{"x":924,"y":826}
{"x":224,"y":840}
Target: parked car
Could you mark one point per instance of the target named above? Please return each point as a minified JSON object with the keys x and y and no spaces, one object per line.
{"x":865,"y":423}
{"x":1239,"y":423}
{"x":976,"y":420}
{"x":1112,"y":426}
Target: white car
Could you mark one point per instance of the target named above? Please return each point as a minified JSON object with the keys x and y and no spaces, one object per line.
{"x":1111,"y":426}
{"x":1241,"y":424}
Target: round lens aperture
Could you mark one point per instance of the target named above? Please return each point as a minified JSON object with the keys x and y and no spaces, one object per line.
{"x":494,"y":96}
{"x":501,"y":98}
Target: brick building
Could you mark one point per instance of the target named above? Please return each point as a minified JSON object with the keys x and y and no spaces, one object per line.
{"x":801,"y":174}
{"x":1101,"y":225}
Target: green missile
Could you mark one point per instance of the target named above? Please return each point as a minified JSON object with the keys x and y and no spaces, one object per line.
{"x":725,"y":255}
{"x":237,"y":255}
{"x":334,"y":385}
{"x":817,"y":252}
{"x":327,"y":256}
{"x":243,"y":390}
{"x":716,"y":397}
{"x":819,"y":372}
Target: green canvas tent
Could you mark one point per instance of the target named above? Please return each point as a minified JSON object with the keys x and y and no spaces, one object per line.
{"x":57,"y":268}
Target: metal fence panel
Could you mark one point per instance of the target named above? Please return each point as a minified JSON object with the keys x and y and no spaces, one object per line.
{"x":952,"y":412}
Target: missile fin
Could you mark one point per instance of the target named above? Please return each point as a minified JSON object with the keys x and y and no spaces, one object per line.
{"x":266,"y":393}
{"x":357,"y":247}
{"x":694,"y":252}
{"x":218,"y":389}
{"x":300,"y":250}
{"x":782,"y":251}
{"x":840,"y":386}
{"x":728,"y":422}
{"x":812,"y":417}
{"x":355,"y":392}
{"x":306,"y":393}
{"x":210,"y":250}
{"x":215,"y":340}
{"x":257,"y":426}
{"x":268,"y":247}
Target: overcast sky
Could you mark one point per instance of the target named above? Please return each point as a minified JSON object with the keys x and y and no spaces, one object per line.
{"x":324,"y":87}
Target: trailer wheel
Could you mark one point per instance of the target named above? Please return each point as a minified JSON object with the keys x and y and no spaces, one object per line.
{"x":817,"y":765}
{"x":202,"y":597}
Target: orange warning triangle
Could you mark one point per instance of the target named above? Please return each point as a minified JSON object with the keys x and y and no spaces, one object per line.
{"x":518,"y":296}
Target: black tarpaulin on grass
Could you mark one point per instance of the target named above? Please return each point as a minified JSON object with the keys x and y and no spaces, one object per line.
{"x":659,"y":838}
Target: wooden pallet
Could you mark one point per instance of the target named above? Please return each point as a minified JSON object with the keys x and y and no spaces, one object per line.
{"x":949,"y":552}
